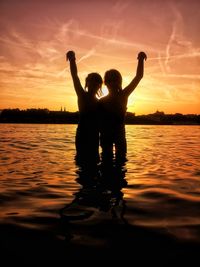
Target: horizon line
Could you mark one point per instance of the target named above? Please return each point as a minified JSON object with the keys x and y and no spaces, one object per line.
{"x":64,"y":110}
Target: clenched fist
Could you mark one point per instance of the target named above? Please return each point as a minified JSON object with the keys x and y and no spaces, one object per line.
{"x":70,"y":55}
{"x":142,"y":56}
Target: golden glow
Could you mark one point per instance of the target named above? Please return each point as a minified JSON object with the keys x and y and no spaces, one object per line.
{"x":35,"y":36}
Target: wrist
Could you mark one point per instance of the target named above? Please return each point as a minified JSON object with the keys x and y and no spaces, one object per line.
{"x":72,"y":59}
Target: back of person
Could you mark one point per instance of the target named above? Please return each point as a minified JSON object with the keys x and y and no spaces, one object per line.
{"x":88,"y":110}
{"x":87,"y":133}
{"x":112,"y":126}
{"x":113,"y":109}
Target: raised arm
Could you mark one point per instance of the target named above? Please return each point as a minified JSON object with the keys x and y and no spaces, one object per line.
{"x":139,"y":74}
{"x":74,"y":72}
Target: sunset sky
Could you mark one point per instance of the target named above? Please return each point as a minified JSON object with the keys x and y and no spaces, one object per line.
{"x":35,"y":35}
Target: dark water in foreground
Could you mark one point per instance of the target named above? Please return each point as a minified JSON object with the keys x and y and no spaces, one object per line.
{"x":154,"y":206}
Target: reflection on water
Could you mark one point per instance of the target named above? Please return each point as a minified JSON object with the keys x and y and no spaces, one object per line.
{"x":100,"y":191}
{"x":100,"y":196}
{"x":161,"y":189}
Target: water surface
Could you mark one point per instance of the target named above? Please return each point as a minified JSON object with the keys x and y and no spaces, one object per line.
{"x":38,"y":177}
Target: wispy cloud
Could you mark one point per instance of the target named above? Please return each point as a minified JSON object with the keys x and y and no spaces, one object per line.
{"x":33,"y":64}
{"x":87,"y":55}
{"x":178,"y":46}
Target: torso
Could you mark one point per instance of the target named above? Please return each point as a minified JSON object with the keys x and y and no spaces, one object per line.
{"x":113,"y":110}
{"x":88,"y":108}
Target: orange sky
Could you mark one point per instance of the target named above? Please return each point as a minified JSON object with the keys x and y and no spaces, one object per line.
{"x":35,"y":35}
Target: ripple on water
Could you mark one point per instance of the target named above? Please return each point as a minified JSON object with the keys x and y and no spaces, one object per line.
{"x":38,"y":175}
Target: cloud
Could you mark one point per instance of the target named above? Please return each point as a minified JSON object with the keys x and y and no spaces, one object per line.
{"x":178,"y":46}
{"x":120,"y":6}
{"x":87,"y":55}
{"x":33,"y":61}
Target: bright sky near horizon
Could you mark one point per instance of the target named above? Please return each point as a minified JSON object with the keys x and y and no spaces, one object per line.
{"x":35,"y":35}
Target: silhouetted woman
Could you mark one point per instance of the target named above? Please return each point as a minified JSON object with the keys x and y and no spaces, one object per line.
{"x":87,"y":134}
{"x":113,"y":109}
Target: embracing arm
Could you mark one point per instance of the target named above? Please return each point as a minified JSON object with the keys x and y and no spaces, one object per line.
{"x":139,"y":74}
{"x":74,"y":72}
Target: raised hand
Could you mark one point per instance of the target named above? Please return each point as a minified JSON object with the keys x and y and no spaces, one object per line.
{"x":142,"y":56}
{"x":70,"y":55}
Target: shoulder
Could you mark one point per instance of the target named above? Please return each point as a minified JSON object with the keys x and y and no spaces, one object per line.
{"x":82,"y":94}
{"x":123,"y":94}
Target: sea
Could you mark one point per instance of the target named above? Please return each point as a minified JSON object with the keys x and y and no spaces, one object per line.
{"x":42,"y":188}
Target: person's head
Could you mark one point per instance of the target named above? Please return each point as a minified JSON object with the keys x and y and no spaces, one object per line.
{"x":93,"y":83}
{"x":113,"y":80}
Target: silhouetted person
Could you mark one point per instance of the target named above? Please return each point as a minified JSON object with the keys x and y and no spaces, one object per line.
{"x":87,"y":134}
{"x":113,"y":109}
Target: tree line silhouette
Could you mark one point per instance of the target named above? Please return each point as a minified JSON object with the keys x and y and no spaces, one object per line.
{"x":67,"y":117}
